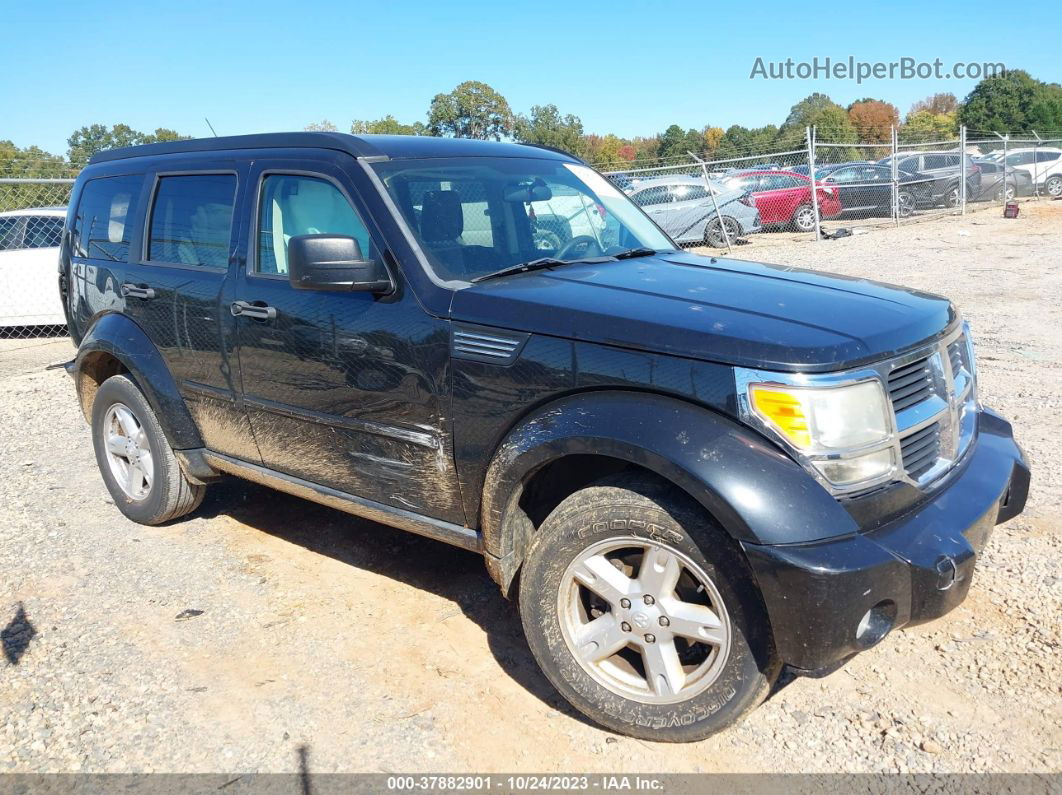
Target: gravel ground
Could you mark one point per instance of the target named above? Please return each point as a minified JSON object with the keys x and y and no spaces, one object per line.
{"x":264,"y":628}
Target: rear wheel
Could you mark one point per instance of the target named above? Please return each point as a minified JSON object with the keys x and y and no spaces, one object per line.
{"x":643,"y":614}
{"x":713,"y":233}
{"x":905,"y":203}
{"x":1053,"y":186}
{"x":139,"y":468}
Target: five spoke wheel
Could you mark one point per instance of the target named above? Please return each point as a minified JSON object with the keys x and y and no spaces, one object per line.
{"x":128,"y":451}
{"x":644,"y":620}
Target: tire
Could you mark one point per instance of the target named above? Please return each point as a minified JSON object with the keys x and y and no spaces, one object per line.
{"x":713,"y":232}
{"x":1007,"y":193}
{"x":722,"y":679}
{"x":161,"y":492}
{"x":905,"y":204}
{"x":1053,"y":186}
{"x":804,"y":218}
{"x":953,"y":197}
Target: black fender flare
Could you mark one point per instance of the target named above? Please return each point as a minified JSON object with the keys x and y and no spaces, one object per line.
{"x":118,"y":336}
{"x":755,"y":491}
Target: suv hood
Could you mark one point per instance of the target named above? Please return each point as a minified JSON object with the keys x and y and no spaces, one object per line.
{"x":721,"y":310}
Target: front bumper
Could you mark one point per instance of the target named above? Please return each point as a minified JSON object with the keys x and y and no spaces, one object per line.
{"x":908,"y":571}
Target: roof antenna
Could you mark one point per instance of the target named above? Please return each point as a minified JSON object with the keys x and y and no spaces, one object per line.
{"x":211,"y":126}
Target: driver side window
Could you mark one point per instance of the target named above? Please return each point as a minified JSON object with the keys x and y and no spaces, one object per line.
{"x":290,"y":205}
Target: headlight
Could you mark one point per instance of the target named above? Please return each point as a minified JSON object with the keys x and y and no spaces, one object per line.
{"x":845,"y":432}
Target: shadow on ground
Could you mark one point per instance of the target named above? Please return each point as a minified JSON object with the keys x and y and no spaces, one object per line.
{"x":423,"y":563}
{"x":16,"y":636}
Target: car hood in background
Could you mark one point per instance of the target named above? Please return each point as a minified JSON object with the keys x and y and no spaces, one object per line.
{"x":720,"y":310}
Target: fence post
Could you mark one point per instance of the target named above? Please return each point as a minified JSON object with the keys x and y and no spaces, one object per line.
{"x":895,"y":161}
{"x":962,"y":170}
{"x":1036,"y":165}
{"x":1005,"y":139}
{"x":810,"y":133}
{"x":715,"y":204}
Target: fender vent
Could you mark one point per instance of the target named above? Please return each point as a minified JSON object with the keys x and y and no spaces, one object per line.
{"x":486,"y":344}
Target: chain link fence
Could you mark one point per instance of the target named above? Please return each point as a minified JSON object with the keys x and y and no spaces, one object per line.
{"x":32,"y":213}
{"x":887,"y":177}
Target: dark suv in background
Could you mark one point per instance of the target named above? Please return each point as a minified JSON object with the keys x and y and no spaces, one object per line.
{"x":939,"y":173}
{"x":691,"y":471}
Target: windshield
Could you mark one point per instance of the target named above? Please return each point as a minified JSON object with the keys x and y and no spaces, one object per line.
{"x":476,"y":215}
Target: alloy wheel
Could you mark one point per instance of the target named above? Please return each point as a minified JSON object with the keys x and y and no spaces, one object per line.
{"x":805,"y":219}
{"x":128,"y":452}
{"x":644,"y":620}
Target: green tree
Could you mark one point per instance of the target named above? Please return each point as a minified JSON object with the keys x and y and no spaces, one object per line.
{"x":324,"y":125}
{"x":32,"y":162}
{"x":546,"y":126}
{"x":87,"y":141}
{"x":388,"y":125}
{"x":677,"y":143}
{"x":472,"y":110}
{"x":1013,"y":102}
{"x":924,"y":125}
{"x":740,"y":141}
{"x":817,"y":110}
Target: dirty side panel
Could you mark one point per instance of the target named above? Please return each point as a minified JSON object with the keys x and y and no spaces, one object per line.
{"x":490,"y":399}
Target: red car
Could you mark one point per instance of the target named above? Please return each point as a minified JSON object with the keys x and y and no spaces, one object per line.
{"x":784,"y":197}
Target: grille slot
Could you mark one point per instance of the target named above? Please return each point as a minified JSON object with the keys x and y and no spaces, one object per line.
{"x":957,"y":355}
{"x":920,"y":450}
{"x":910,"y":384}
{"x":486,"y":346}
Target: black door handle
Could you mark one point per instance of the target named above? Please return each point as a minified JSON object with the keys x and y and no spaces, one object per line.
{"x":256,"y":311}
{"x":137,"y":291}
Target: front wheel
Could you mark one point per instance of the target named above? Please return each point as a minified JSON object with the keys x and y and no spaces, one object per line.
{"x":138,"y":467}
{"x":804,"y":218}
{"x":643,"y":614}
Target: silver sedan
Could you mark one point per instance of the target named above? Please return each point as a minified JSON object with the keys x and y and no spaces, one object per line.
{"x":682,"y":206}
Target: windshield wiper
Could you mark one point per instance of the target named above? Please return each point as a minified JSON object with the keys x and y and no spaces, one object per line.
{"x":537,"y":265}
{"x":634,"y":252}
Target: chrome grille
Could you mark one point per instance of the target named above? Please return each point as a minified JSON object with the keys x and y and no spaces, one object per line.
{"x":910,"y":384}
{"x":486,"y":345}
{"x":957,"y":355}
{"x":920,"y":450}
{"x":932,"y":397}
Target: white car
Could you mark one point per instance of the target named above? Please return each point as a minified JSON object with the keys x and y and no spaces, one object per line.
{"x":29,"y":267}
{"x":1043,"y":164}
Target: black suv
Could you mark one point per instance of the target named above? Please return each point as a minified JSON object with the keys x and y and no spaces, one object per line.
{"x":692,"y":472}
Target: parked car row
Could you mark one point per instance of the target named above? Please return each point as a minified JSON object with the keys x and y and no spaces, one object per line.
{"x":1042,"y":165}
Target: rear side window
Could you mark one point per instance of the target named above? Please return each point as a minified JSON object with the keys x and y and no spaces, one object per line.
{"x":935,"y":161}
{"x":655,"y":195}
{"x":1046,"y":157}
{"x":101,"y":230}
{"x":292,"y":205}
{"x":43,"y":231}
{"x":10,"y":232}
{"x":191,"y":220}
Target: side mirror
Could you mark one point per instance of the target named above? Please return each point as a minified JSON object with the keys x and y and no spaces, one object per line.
{"x":334,"y":262}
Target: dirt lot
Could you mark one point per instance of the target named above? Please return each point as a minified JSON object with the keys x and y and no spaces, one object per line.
{"x":374,"y":650}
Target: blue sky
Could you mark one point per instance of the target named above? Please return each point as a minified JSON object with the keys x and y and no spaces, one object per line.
{"x":625,"y":67}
